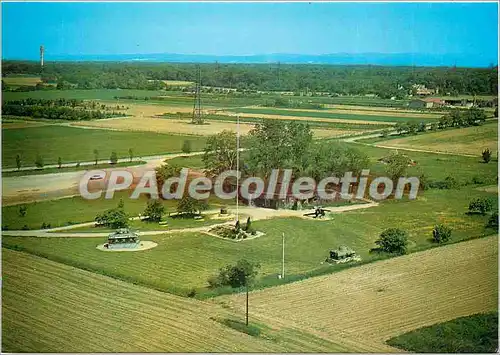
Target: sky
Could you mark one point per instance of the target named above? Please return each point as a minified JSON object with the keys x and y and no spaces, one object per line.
{"x":249,"y":28}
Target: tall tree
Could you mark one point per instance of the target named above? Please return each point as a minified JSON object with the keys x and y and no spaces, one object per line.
{"x":220,"y":153}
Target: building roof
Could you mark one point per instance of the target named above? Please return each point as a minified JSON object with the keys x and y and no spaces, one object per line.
{"x":433,"y":99}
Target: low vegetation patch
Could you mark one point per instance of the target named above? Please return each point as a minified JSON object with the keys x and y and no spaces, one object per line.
{"x":473,"y":334}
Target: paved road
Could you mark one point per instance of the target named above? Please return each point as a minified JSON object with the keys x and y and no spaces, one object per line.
{"x":29,"y":188}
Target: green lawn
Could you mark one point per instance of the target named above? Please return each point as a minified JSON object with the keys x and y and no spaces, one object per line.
{"x":344,"y":116}
{"x":193,"y":162}
{"x":185,"y":260}
{"x":77,"y":144}
{"x":73,"y":210}
{"x":71,"y":168}
{"x":434,"y":166}
{"x":472,"y":334}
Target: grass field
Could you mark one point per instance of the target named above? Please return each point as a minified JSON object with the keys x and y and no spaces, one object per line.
{"x":186,"y":260}
{"x":403,"y":117}
{"x":470,"y":140}
{"x":51,"y":307}
{"x":369,"y":304}
{"x":472,"y":334}
{"x":98,"y":94}
{"x":77,"y":145}
{"x":73,"y":210}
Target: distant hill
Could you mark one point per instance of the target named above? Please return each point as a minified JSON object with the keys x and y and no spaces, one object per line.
{"x":396,"y":59}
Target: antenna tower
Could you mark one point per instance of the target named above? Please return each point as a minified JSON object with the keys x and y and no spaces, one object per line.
{"x":42,"y":51}
{"x":197,"y":117}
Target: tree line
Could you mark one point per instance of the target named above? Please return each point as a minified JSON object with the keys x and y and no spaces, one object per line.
{"x":60,"y":109}
{"x":341,"y":79}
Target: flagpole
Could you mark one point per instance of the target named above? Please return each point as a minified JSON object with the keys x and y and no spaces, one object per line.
{"x":237,"y":165}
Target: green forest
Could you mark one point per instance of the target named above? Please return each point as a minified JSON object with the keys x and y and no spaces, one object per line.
{"x":334,"y":79}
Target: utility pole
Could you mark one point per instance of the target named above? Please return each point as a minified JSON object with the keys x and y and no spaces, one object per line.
{"x":246,"y":320}
{"x":283,"y":259}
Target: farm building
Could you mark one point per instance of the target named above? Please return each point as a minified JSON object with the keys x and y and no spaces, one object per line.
{"x":426,"y":103}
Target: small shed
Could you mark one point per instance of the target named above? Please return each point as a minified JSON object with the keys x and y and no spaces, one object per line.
{"x":122,"y":238}
{"x":342,"y":252}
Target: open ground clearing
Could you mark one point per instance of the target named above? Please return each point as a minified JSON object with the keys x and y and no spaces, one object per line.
{"x":182,"y":261}
{"x":470,"y":140}
{"x":51,"y":307}
{"x":372,"y":303}
{"x":77,"y":145}
{"x":154,"y":124}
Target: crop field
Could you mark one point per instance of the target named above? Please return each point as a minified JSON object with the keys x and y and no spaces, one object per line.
{"x":184,"y":127}
{"x":185,"y":260}
{"x":356,"y":116}
{"x":368,"y":305}
{"x":21,"y":80}
{"x":51,"y":307}
{"x":76,"y":144}
{"x":357,"y":110}
{"x":470,"y":140}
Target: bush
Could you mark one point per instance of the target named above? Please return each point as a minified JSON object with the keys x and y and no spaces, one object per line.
{"x":23,"y":210}
{"x":45,"y":226}
{"x":480,"y":205}
{"x":441,"y":233}
{"x":493,"y":221}
{"x":113,"y":159}
{"x":449,"y":183}
{"x":113,"y":218}
{"x":486,"y":154}
{"x":238,"y":275}
{"x":154,"y":211}
{"x":186,"y":147}
{"x":393,"y":240}
{"x":39,"y":161}
{"x":191,"y":293}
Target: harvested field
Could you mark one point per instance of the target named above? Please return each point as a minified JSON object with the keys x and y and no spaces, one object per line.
{"x":178,"y":82}
{"x":338,"y":109}
{"x":375,"y":108}
{"x":160,"y":125}
{"x":470,"y":140}
{"x":369,"y":304}
{"x":51,"y":307}
{"x":307,"y":118}
{"x":22,"y":80}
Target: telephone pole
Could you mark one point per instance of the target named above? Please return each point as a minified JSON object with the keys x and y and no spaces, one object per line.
{"x":246,"y":319}
{"x":283,"y":258}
